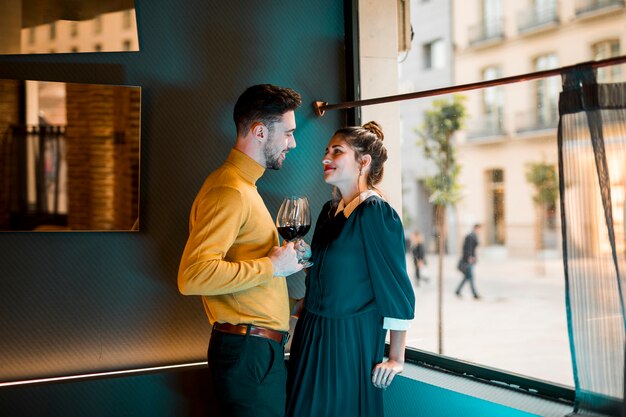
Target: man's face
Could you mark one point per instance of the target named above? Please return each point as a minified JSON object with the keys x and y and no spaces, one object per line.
{"x":280,"y":141}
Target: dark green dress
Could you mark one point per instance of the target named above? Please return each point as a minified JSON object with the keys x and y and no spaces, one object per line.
{"x":358,"y":278}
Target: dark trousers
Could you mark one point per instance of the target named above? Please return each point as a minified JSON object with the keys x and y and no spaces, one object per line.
{"x":248,"y":375}
{"x":468,"y":277}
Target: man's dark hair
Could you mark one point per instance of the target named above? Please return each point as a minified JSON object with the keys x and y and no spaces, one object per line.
{"x":264,"y":103}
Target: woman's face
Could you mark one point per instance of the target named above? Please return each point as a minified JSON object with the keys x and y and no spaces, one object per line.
{"x":340,"y":165}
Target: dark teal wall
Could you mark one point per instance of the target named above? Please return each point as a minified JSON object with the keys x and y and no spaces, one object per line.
{"x":74,"y":302}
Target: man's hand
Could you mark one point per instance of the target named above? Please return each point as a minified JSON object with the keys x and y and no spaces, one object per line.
{"x":284,"y":260}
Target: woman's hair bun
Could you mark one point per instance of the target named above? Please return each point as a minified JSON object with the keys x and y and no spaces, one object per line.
{"x":375,"y":129}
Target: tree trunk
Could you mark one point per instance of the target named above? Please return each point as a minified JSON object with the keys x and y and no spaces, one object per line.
{"x":440,"y":217}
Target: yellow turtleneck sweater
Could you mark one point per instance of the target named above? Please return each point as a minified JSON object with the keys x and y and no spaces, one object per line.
{"x":225,"y":260}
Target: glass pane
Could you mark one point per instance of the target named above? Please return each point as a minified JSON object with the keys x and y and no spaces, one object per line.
{"x":74,"y":164}
{"x":66,"y":26}
{"x":508,"y":185}
{"x":507,"y":155}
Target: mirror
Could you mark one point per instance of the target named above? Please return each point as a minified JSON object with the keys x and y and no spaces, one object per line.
{"x":67,"y":26}
{"x":69,"y":156}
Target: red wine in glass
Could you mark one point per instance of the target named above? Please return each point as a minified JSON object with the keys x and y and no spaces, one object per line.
{"x":288,"y":233}
{"x":294,"y":221}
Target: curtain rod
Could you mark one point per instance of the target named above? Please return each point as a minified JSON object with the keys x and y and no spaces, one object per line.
{"x":320,"y":107}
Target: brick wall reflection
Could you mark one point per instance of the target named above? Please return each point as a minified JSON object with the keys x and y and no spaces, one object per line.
{"x":102,"y":137}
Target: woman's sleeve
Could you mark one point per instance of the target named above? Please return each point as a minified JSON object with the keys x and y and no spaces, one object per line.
{"x":385,"y":256}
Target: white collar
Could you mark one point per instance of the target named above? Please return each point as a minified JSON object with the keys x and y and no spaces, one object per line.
{"x":349,"y":208}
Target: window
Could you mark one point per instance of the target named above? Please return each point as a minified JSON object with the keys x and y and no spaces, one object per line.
{"x":493,"y":102}
{"x":492,"y":18}
{"x":434,"y":54}
{"x":547,"y":92}
{"x":604,"y":50}
{"x":520,"y":249}
{"x":496,"y":228}
{"x":53,"y":30}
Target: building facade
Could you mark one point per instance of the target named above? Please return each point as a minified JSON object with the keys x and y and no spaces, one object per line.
{"x":513,"y":128}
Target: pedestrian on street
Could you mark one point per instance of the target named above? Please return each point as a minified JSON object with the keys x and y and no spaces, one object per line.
{"x":419,"y":256}
{"x":468,"y":260}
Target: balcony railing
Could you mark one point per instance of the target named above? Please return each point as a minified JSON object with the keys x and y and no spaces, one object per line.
{"x":487,"y":126}
{"x":485,"y":31}
{"x":589,"y":6}
{"x":528,"y":20}
{"x":534,"y":121}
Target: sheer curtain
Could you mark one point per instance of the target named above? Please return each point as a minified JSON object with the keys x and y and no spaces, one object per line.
{"x":592,"y":171}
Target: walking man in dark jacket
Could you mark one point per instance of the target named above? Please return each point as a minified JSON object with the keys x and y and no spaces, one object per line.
{"x":468,"y":260}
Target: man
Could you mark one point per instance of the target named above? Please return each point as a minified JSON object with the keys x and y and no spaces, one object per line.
{"x":232,"y":259}
{"x":468,"y":260}
{"x":419,"y":256}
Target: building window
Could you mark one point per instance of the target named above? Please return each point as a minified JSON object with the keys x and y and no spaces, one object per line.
{"x":546,"y":92}
{"x":492,"y":18}
{"x":434,"y":54}
{"x":74,"y":29}
{"x":496,"y":228}
{"x":603,"y":50}
{"x":493,"y":101}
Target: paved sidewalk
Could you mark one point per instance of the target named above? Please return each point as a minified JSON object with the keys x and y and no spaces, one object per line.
{"x":518,"y":325}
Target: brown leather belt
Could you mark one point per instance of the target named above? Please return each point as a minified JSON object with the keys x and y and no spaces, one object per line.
{"x":245,"y":329}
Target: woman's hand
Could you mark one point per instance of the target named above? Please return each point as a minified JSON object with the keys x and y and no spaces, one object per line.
{"x":303,"y":250}
{"x":384,"y":372}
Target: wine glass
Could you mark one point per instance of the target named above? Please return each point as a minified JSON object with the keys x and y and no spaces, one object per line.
{"x":294,"y":221}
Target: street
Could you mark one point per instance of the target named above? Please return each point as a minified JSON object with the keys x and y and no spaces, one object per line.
{"x":518,"y":325}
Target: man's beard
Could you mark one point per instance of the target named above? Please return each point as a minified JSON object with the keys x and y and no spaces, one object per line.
{"x":272,"y":161}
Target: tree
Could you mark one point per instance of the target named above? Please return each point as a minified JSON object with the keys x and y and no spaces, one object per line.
{"x":543,"y":177}
{"x":440,"y":123}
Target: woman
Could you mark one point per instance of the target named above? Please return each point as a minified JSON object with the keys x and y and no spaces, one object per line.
{"x":357,"y":288}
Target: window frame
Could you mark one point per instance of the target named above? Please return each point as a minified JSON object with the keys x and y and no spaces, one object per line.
{"x":481,"y":373}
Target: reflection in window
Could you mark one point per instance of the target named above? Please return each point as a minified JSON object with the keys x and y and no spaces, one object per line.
{"x":110,"y":30}
{"x":72,"y":165}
